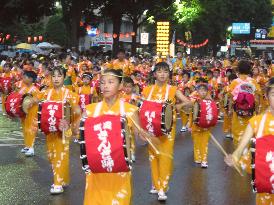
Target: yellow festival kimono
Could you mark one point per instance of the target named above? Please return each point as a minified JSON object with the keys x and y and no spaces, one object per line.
{"x":162,"y":165}
{"x":29,"y":122}
{"x":124,"y":65}
{"x":109,"y":188}
{"x":57,"y":151}
{"x":263,"y":198}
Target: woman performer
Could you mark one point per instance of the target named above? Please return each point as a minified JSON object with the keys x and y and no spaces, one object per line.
{"x":259,"y":126}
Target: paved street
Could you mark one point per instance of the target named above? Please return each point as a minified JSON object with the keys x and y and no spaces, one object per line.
{"x":26,"y":181}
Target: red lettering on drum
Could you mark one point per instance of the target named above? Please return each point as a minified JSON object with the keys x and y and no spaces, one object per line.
{"x":209,"y":113}
{"x":150,"y":116}
{"x":269,"y":158}
{"x":12,"y":103}
{"x":105,"y":146}
{"x":83,"y":102}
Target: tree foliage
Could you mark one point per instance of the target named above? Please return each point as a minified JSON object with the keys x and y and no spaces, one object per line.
{"x":55,"y":31}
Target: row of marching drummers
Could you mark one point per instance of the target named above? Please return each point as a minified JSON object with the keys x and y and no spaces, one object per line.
{"x":106,"y":130}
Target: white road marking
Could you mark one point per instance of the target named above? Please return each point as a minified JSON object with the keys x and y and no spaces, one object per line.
{"x":10,"y":145}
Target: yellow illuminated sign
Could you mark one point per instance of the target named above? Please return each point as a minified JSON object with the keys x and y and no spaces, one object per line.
{"x":162,"y":38}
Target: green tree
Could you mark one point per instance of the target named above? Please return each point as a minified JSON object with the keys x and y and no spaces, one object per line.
{"x":55,"y":31}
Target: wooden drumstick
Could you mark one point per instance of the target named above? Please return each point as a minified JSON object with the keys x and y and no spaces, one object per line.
{"x":147,"y":139}
{"x":157,"y":152}
{"x":224,"y":152}
{"x":63,"y":130}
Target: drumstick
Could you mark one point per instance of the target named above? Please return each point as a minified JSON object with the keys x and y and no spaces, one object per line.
{"x":147,"y":139}
{"x":63,"y":130}
{"x":157,"y":152}
{"x":224,"y":152}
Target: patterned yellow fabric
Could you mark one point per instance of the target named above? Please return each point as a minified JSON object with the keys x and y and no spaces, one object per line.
{"x":161,"y":165}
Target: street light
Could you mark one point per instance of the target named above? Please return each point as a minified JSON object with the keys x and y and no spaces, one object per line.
{"x":229,"y":28}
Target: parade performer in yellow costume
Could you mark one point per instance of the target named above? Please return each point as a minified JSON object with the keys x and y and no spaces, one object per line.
{"x":186,"y":87}
{"x":239,"y":123}
{"x":226,"y":107}
{"x":122,"y":63}
{"x":200,"y":136}
{"x":161,"y":165}
{"x":29,"y":122}
{"x":130,"y":97}
{"x":86,"y":88}
{"x":58,"y":142}
{"x":6,"y":74}
{"x":111,"y":188}
{"x":254,"y":127}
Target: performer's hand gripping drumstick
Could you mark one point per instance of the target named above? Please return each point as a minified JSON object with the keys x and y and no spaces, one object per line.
{"x":148,"y":136}
{"x":224,"y":152}
{"x":143,"y":134}
{"x":232,"y":159}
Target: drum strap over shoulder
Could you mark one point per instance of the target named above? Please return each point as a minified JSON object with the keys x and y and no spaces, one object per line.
{"x":65,"y":96}
{"x":24,"y":88}
{"x":100,"y":104}
{"x":261,"y":127}
{"x":166,"y":95}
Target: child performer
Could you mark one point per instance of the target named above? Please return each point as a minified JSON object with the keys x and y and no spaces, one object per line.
{"x":201,"y":135}
{"x":6,"y":81}
{"x":57,"y":144}
{"x":186,"y":88}
{"x":129,"y":96}
{"x":227,"y":108}
{"x":128,"y":91}
{"x":111,"y":188}
{"x":86,"y":92}
{"x":161,"y":165}
{"x":29,"y":122}
{"x":258,"y":126}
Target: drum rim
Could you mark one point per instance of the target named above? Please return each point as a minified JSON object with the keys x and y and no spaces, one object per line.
{"x":164,"y":126}
{"x":24,"y":96}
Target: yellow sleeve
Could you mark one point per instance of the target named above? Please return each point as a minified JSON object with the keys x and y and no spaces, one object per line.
{"x":254,"y":122}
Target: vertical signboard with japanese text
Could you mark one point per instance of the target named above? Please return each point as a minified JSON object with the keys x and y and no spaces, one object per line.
{"x":162,"y":38}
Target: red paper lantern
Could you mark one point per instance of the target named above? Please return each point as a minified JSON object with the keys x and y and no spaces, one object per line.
{"x":115,"y":35}
{"x":40,"y":38}
{"x":0,"y":40}
{"x":178,"y":41}
{"x":88,"y":28}
{"x":8,"y":36}
{"x":132,"y":34}
{"x":97,"y":31}
{"x":35,"y":38}
{"x":81,"y":23}
{"x":122,"y":35}
{"x":127,"y":35}
{"x":29,"y":39}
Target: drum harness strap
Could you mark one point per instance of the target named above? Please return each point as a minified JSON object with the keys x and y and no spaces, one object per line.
{"x":99,"y":107}
{"x":64,"y":98}
{"x":24,"y":88}
{"x":261,"y":127}
{"x":166,"y":95}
